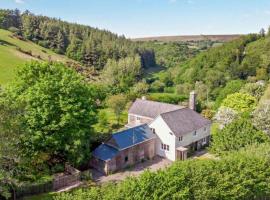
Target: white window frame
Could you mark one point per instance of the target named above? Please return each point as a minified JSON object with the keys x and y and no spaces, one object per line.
{"x":180,"y":139}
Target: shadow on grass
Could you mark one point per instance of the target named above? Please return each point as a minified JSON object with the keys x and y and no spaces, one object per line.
{"x":5,"y":43}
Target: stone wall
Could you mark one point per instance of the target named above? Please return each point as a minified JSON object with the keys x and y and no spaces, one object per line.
{"x":126,"y":157}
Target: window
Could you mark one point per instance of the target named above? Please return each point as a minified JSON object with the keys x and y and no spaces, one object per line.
{"x":138,"y":118}
{"x":153,"y":130}
{"x":204,"y":128}
{"x":204,"y":140}
{"x":180,"y":138}
{"x":126,"y":158}
{"x":165,"y":147}
{"x":171,"y":133}
{"x":195,"y":133}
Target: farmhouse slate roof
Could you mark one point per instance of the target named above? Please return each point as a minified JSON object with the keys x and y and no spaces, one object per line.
{"x":151,"y":109}
{"x":130,"y":137}
{"x":184,"y":121}
{"x":123,"y":140}
{"x":105,"y":152}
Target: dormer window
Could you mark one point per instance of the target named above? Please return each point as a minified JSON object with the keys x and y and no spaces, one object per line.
{"x":194,"y":133}
{"x":180,"y":138}
{"x":138,"y":118}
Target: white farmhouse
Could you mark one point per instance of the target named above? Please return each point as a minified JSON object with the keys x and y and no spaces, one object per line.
{"x":154,"y":128}
{"x":178,"y":129}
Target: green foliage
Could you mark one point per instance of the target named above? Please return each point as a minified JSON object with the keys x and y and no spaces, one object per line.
{"x":157,"y":86}
{"x":122,"y":73}
{"x":261,"y":117}
{"x":240,"y":102}
{"x":230,"y":88}
{"x":166,"y":97}
{"x":57,"y":111}
{"x":254,"y":89}
{"x":236,"y":135}
{"x":241,"y":175}
{"x":90,"y":46}
{"x":172,"y":53}
{"x":184,"y":89}
{"x":118,"y":104}
{"x":13,"y":54}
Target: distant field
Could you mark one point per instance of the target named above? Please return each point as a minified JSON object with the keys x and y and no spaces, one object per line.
{"x":186,"y":38}
{"x":11,"y":57}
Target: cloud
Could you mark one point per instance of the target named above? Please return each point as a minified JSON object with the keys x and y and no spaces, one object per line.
{"x":19,"y":1}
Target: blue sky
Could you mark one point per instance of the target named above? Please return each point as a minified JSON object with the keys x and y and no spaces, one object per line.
{"x":137,"y":18}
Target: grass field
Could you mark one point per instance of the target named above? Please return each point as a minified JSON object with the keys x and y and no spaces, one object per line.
{"x":11,"y":57}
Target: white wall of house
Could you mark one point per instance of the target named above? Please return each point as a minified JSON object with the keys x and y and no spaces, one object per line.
{"x":164,"y":136}
{"x":189,"y":138}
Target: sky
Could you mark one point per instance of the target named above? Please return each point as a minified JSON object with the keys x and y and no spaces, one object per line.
{"x":142,"y":18}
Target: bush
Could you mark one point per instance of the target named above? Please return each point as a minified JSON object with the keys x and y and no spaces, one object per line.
{"x":157,"y":86}
{"x":167,"y":98}
{"x":238,"y":134}
{"x":240,"y":102}
{"x":241,"y":175}
{"x":254,"y":89}
{"x":169,"y":90}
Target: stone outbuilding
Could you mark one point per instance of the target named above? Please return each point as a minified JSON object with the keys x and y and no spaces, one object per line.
{"x":124,"y":149}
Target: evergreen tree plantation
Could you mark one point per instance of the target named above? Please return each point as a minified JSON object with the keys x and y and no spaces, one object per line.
{"x":65,"y":88}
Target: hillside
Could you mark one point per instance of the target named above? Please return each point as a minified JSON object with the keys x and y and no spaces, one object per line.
{"x":15,"y":52}
{"x":186,"y":38}
{"x":90,"y":46}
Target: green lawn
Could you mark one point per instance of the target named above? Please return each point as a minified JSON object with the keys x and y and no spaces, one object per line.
{"x":112,"y":121}
{"x":11,"y":58}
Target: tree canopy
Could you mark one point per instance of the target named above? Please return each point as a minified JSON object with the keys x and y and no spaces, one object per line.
{"x":57,"y":109}
{"x":236,"y":135}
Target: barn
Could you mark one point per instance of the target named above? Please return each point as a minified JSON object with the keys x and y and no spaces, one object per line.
{"x":123,"y":149}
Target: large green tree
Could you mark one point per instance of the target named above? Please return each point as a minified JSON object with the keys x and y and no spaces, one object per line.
{"x":57,"y":109}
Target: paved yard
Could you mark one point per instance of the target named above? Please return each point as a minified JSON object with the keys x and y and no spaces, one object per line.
{"x":153,"y":165}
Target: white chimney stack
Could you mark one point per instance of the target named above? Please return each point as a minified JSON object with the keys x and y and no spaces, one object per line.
{"x":192,"y":100}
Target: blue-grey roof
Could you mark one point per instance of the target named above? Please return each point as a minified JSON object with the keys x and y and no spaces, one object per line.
{"x":132,"y":136}
{"x":104,"y":152}
{"x":122,"y":140}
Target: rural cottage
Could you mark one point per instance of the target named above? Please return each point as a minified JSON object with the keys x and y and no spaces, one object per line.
{"x":154,"y":128}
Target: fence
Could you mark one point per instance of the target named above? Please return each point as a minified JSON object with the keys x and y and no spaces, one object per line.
{"x":70,"y":176}
{"x":32,"y":189}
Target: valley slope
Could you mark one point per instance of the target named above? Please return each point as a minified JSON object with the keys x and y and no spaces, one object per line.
{"x":15,"y":52}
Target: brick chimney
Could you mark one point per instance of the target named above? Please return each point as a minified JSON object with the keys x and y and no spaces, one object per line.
{"x":192,"y":100}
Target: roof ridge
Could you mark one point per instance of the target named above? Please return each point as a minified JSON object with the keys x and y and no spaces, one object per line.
{"x":128,"y":129}
{"x":174,"y":110}
{"x":159,"y":102}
